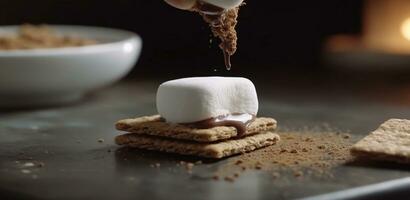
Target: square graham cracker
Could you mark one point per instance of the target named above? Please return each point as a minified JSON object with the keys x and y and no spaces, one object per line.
{"x":154,"y":125}
{"x":209,"y":150}
{"x":390,"y":142}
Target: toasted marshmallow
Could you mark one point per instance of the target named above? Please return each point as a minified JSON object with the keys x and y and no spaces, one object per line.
{"x":199,"y":98}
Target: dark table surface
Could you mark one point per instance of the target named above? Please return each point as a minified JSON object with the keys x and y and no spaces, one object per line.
{"x":77,"y":166}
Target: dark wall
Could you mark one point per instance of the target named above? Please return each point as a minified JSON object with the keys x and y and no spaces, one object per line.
{"x":273,"y":35}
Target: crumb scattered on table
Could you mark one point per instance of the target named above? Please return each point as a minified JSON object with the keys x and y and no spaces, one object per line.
{"x":301,"y":153}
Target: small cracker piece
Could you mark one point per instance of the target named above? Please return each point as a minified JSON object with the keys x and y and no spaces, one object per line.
{"x":390,"y":142}
{"x":209,"y":150}
{"x":154,"y":125}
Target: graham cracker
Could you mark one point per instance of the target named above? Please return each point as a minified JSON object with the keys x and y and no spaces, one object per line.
{"x":390,"y":142}
{"x":209,"y":150}
{"x":154,"y":125}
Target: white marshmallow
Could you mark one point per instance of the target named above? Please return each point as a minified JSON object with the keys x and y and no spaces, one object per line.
{"x":199,"y":98}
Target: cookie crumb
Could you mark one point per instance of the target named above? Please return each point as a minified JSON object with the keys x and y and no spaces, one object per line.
{"x":298,"y":174}
{"x":258,"y":166}
{"x":189,"y":166}
{"x":275,"y":175}
{"x":41,"y":164}
{"x":238,"y":162}
{"x":229,"y":179}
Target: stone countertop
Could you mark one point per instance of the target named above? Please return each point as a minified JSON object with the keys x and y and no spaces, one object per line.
{"x":79,"y":159}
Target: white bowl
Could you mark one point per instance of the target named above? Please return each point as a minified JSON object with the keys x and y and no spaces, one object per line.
{"x":61,"y":75}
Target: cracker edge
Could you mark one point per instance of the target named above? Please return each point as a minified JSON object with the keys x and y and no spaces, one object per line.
{"x":364,"y":151}
{"x":379,"y":156}
{"x":191,"y":134}
{"x":211,"y":150}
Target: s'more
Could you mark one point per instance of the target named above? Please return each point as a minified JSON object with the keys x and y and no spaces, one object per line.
{"x":212,"y":117}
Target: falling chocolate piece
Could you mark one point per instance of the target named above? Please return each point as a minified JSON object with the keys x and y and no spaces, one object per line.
{"x":222,"y":23}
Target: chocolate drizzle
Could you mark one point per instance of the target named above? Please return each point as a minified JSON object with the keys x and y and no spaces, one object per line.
{"x":227,"y":60}
{"x":239,"y":121}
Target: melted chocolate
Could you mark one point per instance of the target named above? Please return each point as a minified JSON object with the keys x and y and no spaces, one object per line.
{"x":227,"y":59}
{"x":239,"y":121}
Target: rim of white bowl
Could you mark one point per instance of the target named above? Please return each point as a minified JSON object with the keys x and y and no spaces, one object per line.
{"x":99,"y":47}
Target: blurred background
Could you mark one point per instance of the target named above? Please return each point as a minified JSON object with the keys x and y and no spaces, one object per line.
{"x":278,"y":41}
{"x":280,"y":35}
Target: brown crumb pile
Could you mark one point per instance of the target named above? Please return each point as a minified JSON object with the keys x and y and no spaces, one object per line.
{"x":38,"y":37}
{"x":298,"y":153}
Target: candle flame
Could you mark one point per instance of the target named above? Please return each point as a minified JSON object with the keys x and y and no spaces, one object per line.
{"x":405,"y":29}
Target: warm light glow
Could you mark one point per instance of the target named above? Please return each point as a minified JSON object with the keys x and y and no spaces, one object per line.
{"x":405,"y":29}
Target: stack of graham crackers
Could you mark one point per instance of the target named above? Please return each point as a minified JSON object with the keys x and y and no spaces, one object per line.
{"x":153,"y":133}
